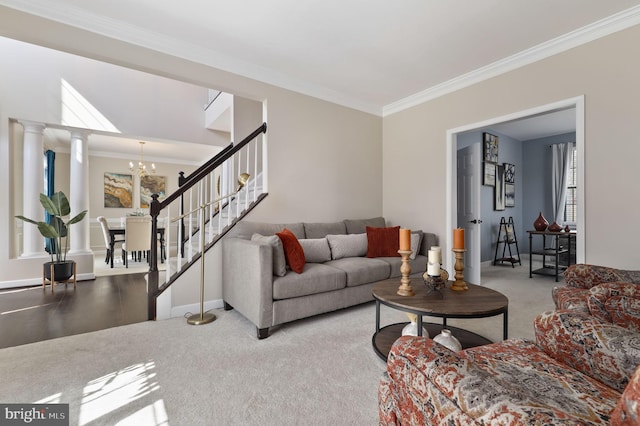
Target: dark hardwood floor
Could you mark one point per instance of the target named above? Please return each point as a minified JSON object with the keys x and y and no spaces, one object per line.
{"x":32,"y":314}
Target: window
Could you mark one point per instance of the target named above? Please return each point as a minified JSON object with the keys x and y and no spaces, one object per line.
{"x":570,"y":207}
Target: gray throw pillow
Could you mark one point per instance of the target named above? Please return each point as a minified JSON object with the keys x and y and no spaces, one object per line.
{"x":416,"y":239}
{"x":351,"y":245}
{"x":316,"y":250}
{"x":279,"y":261}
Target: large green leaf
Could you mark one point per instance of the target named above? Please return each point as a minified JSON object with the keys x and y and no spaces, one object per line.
{"x":77,"y":218}
{"x":60,"y":200}
{"x":47,"y":230}
{"x":26,"y":219}
{"x":48,"y":205}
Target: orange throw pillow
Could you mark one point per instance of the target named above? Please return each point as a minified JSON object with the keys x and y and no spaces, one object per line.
{"x":383,"y":242}
{"x":293,"y":251}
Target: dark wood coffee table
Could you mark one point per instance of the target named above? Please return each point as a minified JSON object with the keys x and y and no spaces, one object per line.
{"x":477,"y":302}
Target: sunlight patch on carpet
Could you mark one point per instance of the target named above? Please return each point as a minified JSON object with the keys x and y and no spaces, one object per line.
{"x":116,"y":390}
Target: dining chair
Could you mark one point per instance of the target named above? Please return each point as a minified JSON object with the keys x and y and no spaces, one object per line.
{"x":137,"y":236}
{"x":107,"y":238}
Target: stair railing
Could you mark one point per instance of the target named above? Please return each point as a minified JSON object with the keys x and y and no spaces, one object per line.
{"x":185,"y":236}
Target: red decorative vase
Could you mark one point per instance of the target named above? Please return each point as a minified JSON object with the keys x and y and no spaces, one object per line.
{"x":540,"y":223}
{"x":567,"y":229}
{"x":554,"y":227}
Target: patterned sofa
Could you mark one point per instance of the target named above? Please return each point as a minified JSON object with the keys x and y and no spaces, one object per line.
{"x":576,"y":373}
{"x":611,"y":294}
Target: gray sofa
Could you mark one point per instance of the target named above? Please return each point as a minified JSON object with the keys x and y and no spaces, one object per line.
{"x":337,"y":273}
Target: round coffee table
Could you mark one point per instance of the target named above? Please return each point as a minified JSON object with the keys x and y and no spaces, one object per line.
{"x":477,"y":302}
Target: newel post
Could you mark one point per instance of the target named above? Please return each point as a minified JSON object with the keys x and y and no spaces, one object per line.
{"x":152,"y":284}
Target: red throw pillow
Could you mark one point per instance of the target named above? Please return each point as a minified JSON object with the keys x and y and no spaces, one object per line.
{"x":383,"y":242}
{"x":293,"y":251}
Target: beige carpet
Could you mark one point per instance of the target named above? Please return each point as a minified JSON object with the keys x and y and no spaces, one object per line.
{"x":318,"y":371}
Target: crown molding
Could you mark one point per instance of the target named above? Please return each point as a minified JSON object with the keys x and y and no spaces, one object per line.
{"x":586,"y":34}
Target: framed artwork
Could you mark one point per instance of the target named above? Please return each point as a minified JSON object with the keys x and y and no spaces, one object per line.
{"x":150,"y":185}
{"x":509,"y":194}
{"x":118,"y":190}
{"x":490,"y":149}
{"x":509,"y":173}
{"x":489,"y":178}
{"x":499,"y":189}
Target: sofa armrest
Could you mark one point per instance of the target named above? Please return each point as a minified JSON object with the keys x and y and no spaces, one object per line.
{"x":247,"y":279}
{"x":605,"y":352}
{"x":586,"y":276}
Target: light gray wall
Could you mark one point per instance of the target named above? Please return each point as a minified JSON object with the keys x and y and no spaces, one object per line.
{"x":509,"y":151}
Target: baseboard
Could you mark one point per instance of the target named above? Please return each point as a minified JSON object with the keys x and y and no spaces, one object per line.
{"x":183,"y":310}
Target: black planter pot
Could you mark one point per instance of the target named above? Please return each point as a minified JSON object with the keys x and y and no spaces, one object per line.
{"x":62,"y":271}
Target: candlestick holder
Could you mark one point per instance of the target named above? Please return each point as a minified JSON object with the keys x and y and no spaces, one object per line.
{"x":459,"y":284}
{"x":405,"y":288}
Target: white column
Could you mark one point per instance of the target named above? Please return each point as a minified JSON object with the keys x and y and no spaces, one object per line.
{"x":79,"y":191}
{"x":33,"y":186}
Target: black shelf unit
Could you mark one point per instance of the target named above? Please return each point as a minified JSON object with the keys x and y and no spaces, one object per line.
{"x":508,"y":240}
{"x":553,"y":251}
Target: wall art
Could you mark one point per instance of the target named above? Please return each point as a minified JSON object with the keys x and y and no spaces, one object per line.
{"x":509,"y":173}
{"x":509,"y":194}
{"x":118,"y":190}
{"x":490,"y":147}
{"x":499,"y":189}
{"x":489,"y":176}
{"x":150,"y":185}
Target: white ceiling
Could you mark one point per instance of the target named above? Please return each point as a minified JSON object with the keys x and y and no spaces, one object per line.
{"x":372,"y":55}
{"x":367,"y":54}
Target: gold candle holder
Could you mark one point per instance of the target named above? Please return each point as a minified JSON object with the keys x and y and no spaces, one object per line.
{"x":405,"y":288}
{"x":459,"y":284}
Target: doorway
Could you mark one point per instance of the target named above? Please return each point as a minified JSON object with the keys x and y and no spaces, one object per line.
{"x":472,"y":257}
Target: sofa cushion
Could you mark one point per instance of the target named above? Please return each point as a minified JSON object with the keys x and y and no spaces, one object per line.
{"x":352,"y":245}
{"x":316,"y":250}
{"x":316,"y":278}
{"x":383,"y":241}
{"x":616,"y":302}
{"x":322,"y":229}
{"x":293,"y":251}
{"x":361,"y":270}
{"x":245,"y":229}
{"x":279,"y":261}
{"x":359,"y":226}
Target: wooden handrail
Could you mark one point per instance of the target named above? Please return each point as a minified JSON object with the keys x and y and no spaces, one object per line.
{"x":157,"y":206}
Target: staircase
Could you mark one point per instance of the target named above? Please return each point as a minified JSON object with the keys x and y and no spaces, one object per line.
{"x":209,"y":202}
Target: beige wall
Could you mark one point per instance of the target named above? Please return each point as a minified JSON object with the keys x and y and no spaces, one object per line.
{"x":325,"y":161}
{"x":604,"y":71}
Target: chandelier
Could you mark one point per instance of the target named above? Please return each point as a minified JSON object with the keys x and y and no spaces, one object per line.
{"x":141,"y":168}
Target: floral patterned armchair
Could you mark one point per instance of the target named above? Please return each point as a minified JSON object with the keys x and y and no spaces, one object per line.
{"x":575,"y":374}
{"x":612,"y":295}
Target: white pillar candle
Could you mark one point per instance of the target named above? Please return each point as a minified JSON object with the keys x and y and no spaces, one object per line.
{"x":438,"y":259}
{"x":433,"y":269}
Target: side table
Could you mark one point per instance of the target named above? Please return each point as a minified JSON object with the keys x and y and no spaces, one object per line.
{"x":553,"y":251}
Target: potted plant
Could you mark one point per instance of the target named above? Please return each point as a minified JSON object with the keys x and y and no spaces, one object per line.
{"x":58,"y":207}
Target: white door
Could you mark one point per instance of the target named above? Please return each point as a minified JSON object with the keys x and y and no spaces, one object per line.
{"x":469,"y":178}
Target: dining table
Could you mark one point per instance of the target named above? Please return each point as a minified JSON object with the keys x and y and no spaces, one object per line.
{"x":114,"y":232}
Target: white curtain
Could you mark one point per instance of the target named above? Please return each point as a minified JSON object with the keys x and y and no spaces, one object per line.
{"x":561,"y":159}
